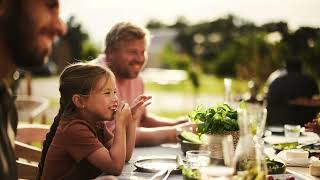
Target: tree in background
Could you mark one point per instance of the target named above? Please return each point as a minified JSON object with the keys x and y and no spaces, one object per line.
{"x":74,"y":46}
{"x":234,"y":47}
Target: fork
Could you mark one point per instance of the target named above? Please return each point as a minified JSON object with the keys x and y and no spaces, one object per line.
{"x":160,"y":173}
{"x":169,"y":170}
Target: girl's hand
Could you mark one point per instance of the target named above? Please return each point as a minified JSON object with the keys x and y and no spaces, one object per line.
{"x":138,"y":105}
{"x":123,"y":113}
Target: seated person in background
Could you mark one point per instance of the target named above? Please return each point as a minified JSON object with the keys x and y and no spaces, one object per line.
{"x":82,"y":147}
{"x":290,"y":96}
{"x":125,"y":54}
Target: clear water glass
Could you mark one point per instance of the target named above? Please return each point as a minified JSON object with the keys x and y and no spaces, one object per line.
{"x":222,"y":152}
{"x":198,"y":158}
{"x":292,"y":131}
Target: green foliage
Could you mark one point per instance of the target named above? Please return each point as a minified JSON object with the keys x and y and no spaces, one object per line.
{"x":215,"y":120}
{"x":75,"y":37}
{"x":89,"y":51}
{"x":155,"y":24}
{"x":238,"y":48}
{"x":173,"y":60}
{"x":75,"y":44}
{"x":191,"y":174}
{"x":210,"y":85}
{"x":194,"y":78}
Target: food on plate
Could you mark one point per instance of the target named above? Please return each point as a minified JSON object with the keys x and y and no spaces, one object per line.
{"x":314,"y":167}
{"x":190,"y":141}
{"x":190,"y":137}
{"x":191,"y":174}
{"x":285,"y":146}
{"x":275,"y":167}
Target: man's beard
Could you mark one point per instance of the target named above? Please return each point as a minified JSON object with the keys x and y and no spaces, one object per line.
{"x":126,"y":74}
{"x":19,"y":37}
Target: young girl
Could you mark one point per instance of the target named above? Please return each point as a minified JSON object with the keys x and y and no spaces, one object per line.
{"x":82,"y":147}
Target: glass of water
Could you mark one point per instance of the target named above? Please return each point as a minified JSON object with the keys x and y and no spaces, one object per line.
{"x":222,"y":150}
{"x":198,"y":158}
{"x":292,"y":131}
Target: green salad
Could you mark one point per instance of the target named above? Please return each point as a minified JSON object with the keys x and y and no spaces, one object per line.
{"x":215,"y":120}
{"x":187,"y":172}
{"x":275,"y":167}
{"x":285,"y":146}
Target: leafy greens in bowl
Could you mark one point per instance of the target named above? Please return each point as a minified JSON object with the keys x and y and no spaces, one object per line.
{"x":215,"y":120}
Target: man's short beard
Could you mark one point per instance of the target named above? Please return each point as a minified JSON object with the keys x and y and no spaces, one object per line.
{"x":17,"y":36}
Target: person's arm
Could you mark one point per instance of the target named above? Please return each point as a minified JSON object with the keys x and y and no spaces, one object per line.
{"x":137,"y":107}
{"x":151,"y":120}
{"x":158,"y":135}
{"x":130,"y":139}
{"x":112,"y":160}
{"x":155,"y":136}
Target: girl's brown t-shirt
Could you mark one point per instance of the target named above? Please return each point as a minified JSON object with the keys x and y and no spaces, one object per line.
{"x":73,"y":142}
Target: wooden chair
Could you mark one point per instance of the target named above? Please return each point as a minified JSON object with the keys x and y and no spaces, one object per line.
{"x":31,"y":107}
{"x":27,"y":155}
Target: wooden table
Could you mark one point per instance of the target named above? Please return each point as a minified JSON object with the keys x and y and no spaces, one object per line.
{"x":170,"y":151}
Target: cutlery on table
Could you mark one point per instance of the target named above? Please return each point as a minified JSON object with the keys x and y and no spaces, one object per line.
{"x":159,"y":174}
{"x":169,"y":170}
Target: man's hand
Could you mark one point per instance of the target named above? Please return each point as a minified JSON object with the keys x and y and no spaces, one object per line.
{"x":188,"y":125}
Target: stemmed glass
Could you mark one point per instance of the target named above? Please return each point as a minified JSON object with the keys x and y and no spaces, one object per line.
{"x":227,"y":90}
{"x":257,"y":116}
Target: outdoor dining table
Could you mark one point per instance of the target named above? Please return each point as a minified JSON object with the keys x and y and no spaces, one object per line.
{"x":162,"y":151}
{"x":171,"y":151}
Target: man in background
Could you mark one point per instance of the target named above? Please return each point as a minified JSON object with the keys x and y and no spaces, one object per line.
{"x":291,"y":96}
{"x":125,"y":54}
{"x":27,"y":31}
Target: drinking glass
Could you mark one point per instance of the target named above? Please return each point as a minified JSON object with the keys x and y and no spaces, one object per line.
{"x":222,"y":150}
{"x":198,"y":158}
{"x":292,"y":131}
{"x":257,"y":116}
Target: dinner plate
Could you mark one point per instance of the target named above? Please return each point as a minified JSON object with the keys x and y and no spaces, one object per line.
{"x":156,"y":164}
{"x":308,"y":137}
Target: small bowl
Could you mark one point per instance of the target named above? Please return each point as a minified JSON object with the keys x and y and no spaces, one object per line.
{"x":187,"y":146}
{"x":276,"y":168}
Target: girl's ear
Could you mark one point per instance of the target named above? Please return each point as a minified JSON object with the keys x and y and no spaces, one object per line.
{"x":78,"y":101}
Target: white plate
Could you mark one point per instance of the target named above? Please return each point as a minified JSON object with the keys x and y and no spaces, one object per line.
{"x":308,"y":137}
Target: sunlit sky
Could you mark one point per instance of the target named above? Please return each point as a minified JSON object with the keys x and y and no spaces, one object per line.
{"x":97,"y":16}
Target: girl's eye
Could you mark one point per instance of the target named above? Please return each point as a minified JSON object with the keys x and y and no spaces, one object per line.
{"x":107,"y":93}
